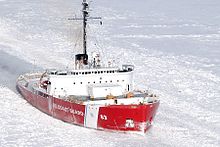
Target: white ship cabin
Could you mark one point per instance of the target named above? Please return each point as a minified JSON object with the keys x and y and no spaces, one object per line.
{"x":96,"y":82}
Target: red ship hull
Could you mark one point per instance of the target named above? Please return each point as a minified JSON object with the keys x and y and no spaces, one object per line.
{"x":110,"y":117}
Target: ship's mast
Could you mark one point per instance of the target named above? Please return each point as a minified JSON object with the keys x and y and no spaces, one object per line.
{"x":85,"y":12}
{"x":85,"y":16}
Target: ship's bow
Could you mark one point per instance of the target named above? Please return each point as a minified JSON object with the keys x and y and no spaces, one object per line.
{"x":134,"y":118}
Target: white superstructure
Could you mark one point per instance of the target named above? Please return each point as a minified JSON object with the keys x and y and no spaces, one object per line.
{"x":87,"y":82}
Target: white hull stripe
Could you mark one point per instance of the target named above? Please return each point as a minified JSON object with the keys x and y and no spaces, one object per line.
{"x":91,"y":116}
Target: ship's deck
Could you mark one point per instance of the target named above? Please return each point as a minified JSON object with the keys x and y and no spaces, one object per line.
{"x":31,"y":82}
